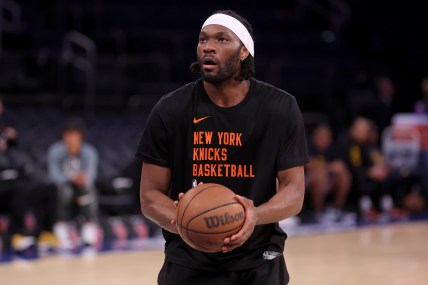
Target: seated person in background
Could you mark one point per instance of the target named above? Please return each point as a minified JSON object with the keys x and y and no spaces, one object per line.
{"x":355,"y":152}
{"x":24,"y":198}
{"x":378,"y":198}
{"x":13,"y":185}
{"x":326,"y":174}
{"x":14,"y":197}
{"x":402,"y":159}
{"x":72,"y":166}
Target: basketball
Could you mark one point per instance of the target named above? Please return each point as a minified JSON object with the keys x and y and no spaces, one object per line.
{"x":207,"y":214}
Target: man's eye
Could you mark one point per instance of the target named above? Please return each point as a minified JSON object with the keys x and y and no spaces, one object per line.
{"x":222,"y":40}
{"x":202,"y":40}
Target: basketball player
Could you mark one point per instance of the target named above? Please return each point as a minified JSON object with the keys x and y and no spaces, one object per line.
{"x":230,"y":129}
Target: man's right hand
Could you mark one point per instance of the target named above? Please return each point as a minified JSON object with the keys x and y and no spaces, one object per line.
{"x":80,"y":179}
{"x":176,"y":203}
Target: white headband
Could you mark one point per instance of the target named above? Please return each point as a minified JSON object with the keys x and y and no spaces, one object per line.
{"x":235,"y":26}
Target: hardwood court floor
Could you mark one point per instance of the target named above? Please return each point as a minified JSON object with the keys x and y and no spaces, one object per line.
{"x":389,"y":255}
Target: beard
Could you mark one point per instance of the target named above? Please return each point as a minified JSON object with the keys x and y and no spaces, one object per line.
{"x":226,"y":70}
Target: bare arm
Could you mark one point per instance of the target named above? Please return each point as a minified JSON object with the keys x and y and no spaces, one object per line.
{"x":155,"y":204}
{"x":287,"y":202}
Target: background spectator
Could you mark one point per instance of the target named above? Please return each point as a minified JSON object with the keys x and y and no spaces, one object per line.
{"x":15,"y":198}
{"x":402,"y":152}
{"x":15,"y":188}
{"x":25,"y":198}
{"x":377,"y":197}
{"x":354,"y":152}
{"x":326,"y":175}
{"x":72,"y":166}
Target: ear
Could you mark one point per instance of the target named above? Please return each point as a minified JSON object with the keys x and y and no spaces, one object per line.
{"x":244,"y":53}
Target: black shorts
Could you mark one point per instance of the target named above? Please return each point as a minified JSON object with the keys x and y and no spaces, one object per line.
{"x":273,"y":272}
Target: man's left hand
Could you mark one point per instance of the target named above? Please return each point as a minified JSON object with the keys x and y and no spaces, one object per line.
{"x":247,"y":229}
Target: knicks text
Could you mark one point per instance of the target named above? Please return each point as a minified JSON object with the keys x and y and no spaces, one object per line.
{"x":210,"y":155}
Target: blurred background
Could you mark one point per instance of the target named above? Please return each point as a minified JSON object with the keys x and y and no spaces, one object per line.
{"x":108,"y":62}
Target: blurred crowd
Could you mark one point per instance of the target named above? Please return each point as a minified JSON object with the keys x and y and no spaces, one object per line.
{"x":372,"y":168}
{"x":59,"y":212}
{"x":352,"y":170}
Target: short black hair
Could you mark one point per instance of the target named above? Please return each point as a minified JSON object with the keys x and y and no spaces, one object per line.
{"x":74,"y":124}
{"x":247,"y":65}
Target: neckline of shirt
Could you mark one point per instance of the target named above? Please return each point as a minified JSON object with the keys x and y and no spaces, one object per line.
{"x":226,"y":109}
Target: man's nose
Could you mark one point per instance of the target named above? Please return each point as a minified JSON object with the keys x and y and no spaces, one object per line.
{"x":209,"y":47}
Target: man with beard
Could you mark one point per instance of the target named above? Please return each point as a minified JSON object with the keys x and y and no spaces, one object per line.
{"x":230,"y":129}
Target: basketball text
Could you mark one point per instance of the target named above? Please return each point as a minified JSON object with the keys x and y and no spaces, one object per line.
{"x":210,"y":155}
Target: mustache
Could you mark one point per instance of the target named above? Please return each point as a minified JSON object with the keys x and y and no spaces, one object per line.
{"x":206,"y":58}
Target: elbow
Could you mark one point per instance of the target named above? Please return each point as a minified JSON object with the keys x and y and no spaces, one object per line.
{"x":298,"y":208}
{"x":144,"y":206}
{"x":147,"y":207}
{"x":298,"y":203}
{"x":147,"y":210}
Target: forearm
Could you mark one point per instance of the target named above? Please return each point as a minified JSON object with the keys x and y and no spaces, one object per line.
{"x":56,"y":175}
{"x":287,"y":201}
{"x":159,"y":208}
{"x":281,"y":206}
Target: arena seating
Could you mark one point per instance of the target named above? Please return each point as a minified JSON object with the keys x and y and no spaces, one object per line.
{"x":115,"y":136}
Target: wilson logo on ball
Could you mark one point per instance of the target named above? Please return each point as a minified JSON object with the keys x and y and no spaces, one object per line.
{"x":222,"y":220}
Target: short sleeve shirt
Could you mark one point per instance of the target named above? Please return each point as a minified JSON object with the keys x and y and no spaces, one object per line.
{"x":242,"y":147}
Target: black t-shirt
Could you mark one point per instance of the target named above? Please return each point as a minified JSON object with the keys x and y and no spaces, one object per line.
{"x":356,"y":156}
{"x":324,"y":156}
{"x":241,"y":147}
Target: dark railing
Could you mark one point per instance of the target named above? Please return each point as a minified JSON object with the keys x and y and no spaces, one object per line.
{"x":84,"y":61}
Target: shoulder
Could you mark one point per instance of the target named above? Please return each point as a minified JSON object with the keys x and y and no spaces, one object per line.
{"x":56,"y":148}
{"x":273,"y":97}
{"x":271,"y":91}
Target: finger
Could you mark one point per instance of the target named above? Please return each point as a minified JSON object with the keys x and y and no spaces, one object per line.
{"x":227,"y":248}
{"x":238,"y":235}
{"x":176,"y":203}
{"x":180,"y":196}
{"x":224,"y":248}
{"x":226,"y":240}
{"x":244,"y":201}
{"x":173,"y":221}
{"x":235,"y":237}
{"x":239,"y":198}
